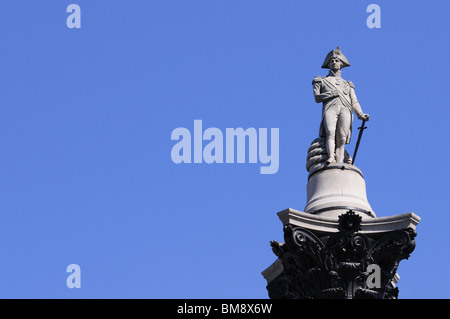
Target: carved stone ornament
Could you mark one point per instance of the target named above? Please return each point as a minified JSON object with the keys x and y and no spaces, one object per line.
{"x":335,"y":265}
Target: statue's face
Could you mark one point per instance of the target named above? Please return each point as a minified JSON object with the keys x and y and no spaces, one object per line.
{"x":335,"y":64}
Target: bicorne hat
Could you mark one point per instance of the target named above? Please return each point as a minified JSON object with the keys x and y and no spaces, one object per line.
{"x":335,"y":54}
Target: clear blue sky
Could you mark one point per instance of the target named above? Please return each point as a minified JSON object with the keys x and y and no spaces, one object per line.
{"x":85,"y":138}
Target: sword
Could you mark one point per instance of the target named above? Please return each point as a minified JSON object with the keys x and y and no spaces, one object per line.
{"x":361,"y":130}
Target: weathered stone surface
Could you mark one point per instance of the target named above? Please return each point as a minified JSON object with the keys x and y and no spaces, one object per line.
{"x":320,"y":263}
{"x":336,"y":188}
{"x":321,"y":223}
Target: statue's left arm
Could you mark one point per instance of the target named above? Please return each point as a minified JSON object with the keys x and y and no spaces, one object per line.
{"x":355,"y":104}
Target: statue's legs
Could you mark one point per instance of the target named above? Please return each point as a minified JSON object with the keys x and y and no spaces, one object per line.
{"x":331,"y":150}
{"x":330,"y":121}
{"x":337,"y":122}
{"x":342,"y":131}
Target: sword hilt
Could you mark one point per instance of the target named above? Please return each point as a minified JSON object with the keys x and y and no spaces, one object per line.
{"x":362,"y":125}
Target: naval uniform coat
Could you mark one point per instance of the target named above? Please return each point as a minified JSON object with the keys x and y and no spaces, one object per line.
{"x":323,"y":92}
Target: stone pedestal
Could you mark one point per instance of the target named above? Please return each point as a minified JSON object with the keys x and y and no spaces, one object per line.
{"x":336,"y":188}
{"x":338,"y":248}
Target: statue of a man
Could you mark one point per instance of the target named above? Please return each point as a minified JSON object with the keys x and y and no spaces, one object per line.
{"x":339,"y":103}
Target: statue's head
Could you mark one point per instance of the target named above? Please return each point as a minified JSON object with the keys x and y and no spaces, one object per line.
{"x":335,"y":60}
{"x":335,"y":64}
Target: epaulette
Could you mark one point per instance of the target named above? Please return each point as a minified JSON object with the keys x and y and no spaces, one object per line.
{"x":351,"y":84}
{"x":317,"y":79}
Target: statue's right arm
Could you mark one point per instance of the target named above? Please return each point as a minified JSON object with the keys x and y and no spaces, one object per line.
{"x":318,"y":95}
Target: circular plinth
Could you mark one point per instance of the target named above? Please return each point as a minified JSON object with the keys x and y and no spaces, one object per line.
{"x":336,"y":188}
